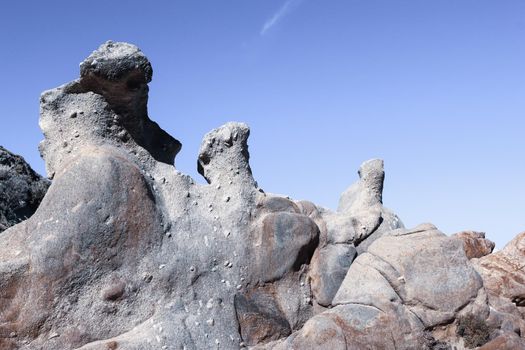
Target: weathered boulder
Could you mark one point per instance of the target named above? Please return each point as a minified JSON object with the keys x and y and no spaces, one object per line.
{"x":260,"y":317}
{"x":360,"y":219}
{"x":21,"y":189}
{"x":126,"y":252}
{"x":355,"y":326}
{"x":328,"y":270}
{"x":401,"y":260}
{"x":507,"y":341}
{"x":504,"y":281}
{"x":396,"y":269}
{"x":391,"y":299}
{"x":137,"y":255}
{"x":108,"y":105}
{"x":475,"y":243}
{"x":502,"y":271}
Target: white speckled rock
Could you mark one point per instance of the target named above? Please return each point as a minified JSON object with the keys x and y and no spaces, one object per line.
{"x":126,"y":252}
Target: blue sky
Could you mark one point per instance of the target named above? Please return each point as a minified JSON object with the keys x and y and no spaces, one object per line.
{"x":435,"y":88}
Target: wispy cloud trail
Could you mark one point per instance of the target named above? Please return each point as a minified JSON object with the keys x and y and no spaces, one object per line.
{"x":279,"y":15}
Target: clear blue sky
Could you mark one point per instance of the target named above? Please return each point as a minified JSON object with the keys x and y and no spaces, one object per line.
{"x":435,"y":88}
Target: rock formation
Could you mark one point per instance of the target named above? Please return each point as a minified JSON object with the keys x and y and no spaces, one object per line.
{"x":475,"y":243}
{"x":126,"y":252}
{"x":21,"y":189}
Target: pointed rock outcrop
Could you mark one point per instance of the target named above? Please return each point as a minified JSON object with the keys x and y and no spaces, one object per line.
{"x":126,"y":252}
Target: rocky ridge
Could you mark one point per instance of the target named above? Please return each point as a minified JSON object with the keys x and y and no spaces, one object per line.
{"x":137,"y":255}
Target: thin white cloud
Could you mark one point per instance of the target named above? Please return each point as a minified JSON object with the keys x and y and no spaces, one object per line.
{"x":279,"y":15}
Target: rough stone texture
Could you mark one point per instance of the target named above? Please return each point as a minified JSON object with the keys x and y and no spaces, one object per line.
{"x":21,"y":189}
{"x":355,"y":326}
{"x":260,"y":317}
{"x":359,"y":220}
{"x":503,"y":271}
{"x":475,"y":243}
{"x":108,"y":104}
{"x":137,"y":255}
{"x":507,"y":341}
{"x":328,"y":270}
{"x":504,"y":281}
{"x":390,"y":297}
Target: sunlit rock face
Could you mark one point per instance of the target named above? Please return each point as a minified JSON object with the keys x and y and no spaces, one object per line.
{"x":126,"y":252}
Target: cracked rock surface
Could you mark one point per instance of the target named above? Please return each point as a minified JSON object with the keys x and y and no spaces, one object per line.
{"x":126,"y":252}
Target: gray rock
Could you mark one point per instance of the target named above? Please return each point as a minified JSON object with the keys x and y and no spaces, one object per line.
{"x":359,"y":221}
{"x":107,"y":104}
{"x":355,"y":326}
{"x":224,"y":157}
{"x":132,"y":256}
{"x":21,"y":189}
{"x":361,"y":213}
{"x":390,"y":298}
{"x":389,"y":222}
{"x":126,"y":252}
{"x":328,"y":270}
{"x":368,"y":191}
{"x":115,"y":60}
{"x":401,"y":260}
{"x":395,"y":270}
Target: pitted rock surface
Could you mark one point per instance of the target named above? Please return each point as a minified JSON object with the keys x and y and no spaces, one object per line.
{"x":126,"y":252}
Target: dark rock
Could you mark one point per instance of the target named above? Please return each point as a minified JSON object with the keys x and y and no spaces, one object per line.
{"x":113,"y":61}
{"x":260,"y":319}
{"x":114,"y":291}
{"x":286,"y":241}
{"x":21,"y":189}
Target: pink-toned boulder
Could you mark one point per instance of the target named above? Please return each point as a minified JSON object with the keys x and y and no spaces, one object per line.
{"x":503,"y":272}
{"x":475,"y":243}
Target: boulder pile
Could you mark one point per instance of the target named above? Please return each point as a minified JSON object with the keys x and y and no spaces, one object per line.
{"x":126,"y":252}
